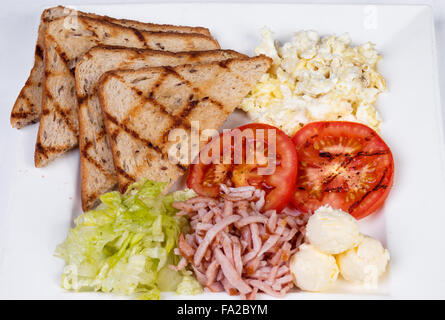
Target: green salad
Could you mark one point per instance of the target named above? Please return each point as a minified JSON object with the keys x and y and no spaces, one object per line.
{"x":126,"y":245}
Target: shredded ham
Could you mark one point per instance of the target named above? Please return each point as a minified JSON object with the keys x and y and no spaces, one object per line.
{"x":234,"y":247}
{"x":185,"y":249}
{"x":212,"y":272}
{"x":230,"y":273}
{"x":216,"y":287}
{"x":251,"y":219}
{"x":218,"y":227}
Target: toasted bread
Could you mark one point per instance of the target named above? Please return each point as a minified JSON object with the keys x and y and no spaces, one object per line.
{"x":141,"y":109}
{"x":65,"y":41}
{"x":96,"y":162}
{"x":27,"y":108}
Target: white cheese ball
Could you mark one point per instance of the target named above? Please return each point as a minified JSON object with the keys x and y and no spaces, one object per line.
{"x":332,"y":231}
{"x":364,"y":263}
{"x":312,"y":269}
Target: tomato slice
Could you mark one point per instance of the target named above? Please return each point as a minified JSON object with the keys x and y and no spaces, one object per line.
{"x":264,"y":159}
{"x":343,"y":164}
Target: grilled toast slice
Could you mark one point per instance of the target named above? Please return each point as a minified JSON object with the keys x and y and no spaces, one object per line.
{"x":96,"y":162}
{"x":27,"y":107}
{"x":65,"y":41}
{"x":142,"y":108}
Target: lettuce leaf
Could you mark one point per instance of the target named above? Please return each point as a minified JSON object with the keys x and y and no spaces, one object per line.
{"x":189,"y":285}
{"x":125,"y":245}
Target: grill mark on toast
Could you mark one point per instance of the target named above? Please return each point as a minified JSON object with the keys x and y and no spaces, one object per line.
{"x":135,"y":135}
{"x":92,"y":200}
{"x":81,"y":100}
{"x":61,"y":54}
{"x":139,"y":36}
{"x":22,"y":115}
{"x":127,"y":176}
{"x":39,"y":52}
{"x":26,"y":111}
{"x":214,"y":101}
{"x":84,"y":149}
{"x":176,"y":121}
{"x":89,"y":28}
{"x":44,"y":150}
{"x":65,"y":117}
{"x":132,"y":133}
{"x":125,"y":186}
{"x":133,"y":113}
{"x":224,"y":64}
{"x":181,"y":167}
{"x":191,"y":104}
{"x":119,"y":170}
{"x":60,"y":111}
{"x":150,"y":99}
{"x":88,"y":55}
{"x":87,"y":144}
{"x":56,"y":107}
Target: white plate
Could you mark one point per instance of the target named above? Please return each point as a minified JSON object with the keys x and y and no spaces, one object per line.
{"x":39,"y":204}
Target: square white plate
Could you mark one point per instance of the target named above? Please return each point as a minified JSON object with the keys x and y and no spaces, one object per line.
{"x":39,"y":204}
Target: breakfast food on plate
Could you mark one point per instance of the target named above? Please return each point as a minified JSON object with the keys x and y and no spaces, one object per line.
{"x":269,"y":206}
{"x":27,"y":108}
{"x":276,"y":153}
{"x":98,"y":174}
{"x":64,"y":46}
{"x":312,"y":269}
{"x":127,"y":244}
{"x":169,"y":98}
{"x":332,"y":231}
{"x":237,"y":248}
{"x":316,"y":78}
{"x":331,"y":148}
{"x":315,"y":268}
{"x":344,"y":164}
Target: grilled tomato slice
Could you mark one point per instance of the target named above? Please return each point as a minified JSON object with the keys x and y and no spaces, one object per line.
{"x":256,"y":155}
{"x":343,"y":164}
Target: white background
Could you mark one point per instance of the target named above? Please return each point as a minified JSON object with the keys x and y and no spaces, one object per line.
{"x":18,"y":31}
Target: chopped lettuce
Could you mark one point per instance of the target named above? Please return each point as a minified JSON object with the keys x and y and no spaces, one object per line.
{"x":126,"y":245}
{"x":189,"y":285}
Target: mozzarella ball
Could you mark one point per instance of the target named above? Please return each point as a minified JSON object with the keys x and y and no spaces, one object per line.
{"x":364,"y":263}
{"x":332,"y":231}
{"x":312,"y":269}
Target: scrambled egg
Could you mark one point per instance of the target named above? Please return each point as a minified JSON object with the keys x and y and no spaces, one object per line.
{"x":316,"y":78}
